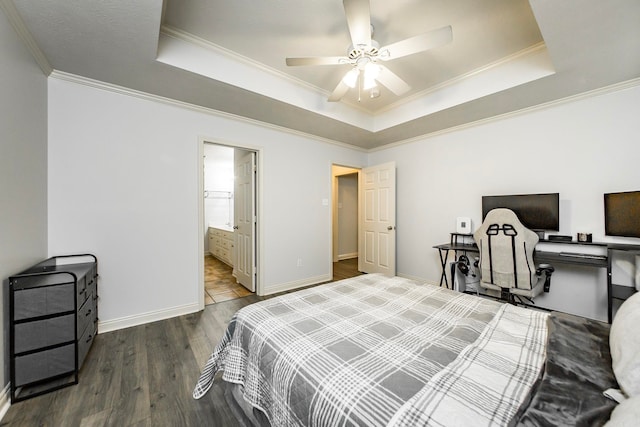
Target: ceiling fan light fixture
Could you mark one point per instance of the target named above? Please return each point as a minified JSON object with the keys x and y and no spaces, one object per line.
{"x":351,"y":78}
{"x":371,"y":71}
{"x":369,"y":82}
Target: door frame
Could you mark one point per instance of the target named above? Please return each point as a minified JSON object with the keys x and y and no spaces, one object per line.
{"x":259,"y":259}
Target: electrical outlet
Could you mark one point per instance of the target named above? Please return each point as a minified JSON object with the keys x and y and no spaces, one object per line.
{"x":299,"y":264}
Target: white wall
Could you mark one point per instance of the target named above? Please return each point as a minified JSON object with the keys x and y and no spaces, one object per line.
{"x":23,"y":168}
{"x":580,"y":149}
{"x":123,"y":185}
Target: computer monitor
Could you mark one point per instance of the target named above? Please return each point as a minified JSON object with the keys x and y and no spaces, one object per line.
{"x":622,"y":214}
{"x":539,"y":212}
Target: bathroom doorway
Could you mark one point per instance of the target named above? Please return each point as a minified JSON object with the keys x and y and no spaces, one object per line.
{"x":229,"y":213}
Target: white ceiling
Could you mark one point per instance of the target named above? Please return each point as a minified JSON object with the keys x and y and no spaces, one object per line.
{"x":506,"y":55}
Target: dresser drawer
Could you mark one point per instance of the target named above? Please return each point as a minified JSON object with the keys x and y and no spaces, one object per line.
{"x":44,"y":333}
{"x":86,"y":315}
{"x":84,"y":342}
{"x":45,"y":364}
{"x":43,"y":301}
{"x":92,"y":284}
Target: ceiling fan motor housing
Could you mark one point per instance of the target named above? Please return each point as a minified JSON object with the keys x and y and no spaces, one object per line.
{"x":355,"y":52}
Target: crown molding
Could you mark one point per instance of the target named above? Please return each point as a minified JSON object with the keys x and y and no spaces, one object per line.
{"x":16,"y":21}
{"x":531,"y":50}
{"x":60,"y":75}
{"x":547,"y":105}
{"x":190,"y":38}
{"x":96,"y":84}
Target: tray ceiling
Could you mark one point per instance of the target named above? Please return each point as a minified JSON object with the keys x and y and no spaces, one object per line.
{"x":506,"y":55}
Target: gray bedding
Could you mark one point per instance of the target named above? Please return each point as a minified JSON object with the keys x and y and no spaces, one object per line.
{"x":577,"y":371}
{"x":377,"y":351}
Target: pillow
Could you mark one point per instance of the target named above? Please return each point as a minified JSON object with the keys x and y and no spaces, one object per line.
{"x":626,"y":414}
{"x":624,"y":340}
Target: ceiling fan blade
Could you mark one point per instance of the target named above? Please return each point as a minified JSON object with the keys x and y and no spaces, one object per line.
{"x":416,"y":44}
{"x":391,"y":81}
{"x":359,"y":21}
{"x":318,"y":60}
{"x":339,"y":92}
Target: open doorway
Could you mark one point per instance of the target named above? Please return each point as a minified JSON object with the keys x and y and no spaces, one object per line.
{"x":229,"y":267}
{"x":345,"y":182}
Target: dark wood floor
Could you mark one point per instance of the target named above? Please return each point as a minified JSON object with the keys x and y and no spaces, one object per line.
{"x":345,"y":269}
{"x":144,"y":375}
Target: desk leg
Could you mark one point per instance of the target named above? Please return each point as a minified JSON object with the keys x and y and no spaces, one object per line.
{"x":443,"y":261}
{"x":609,"y":296}
{"x":609,"y":286}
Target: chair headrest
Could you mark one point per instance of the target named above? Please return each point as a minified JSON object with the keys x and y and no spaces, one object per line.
{"x":504,"y":222}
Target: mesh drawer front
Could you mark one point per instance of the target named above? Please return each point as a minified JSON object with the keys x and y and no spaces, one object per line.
{"x":43,"y":333}
{"x":84,"y":343}
{"x":85,"y":315}
{"x":45,"y":364}
{"x":43,"y":301}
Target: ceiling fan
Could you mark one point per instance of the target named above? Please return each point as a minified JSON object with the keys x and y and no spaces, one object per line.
{"x":365,"y":54}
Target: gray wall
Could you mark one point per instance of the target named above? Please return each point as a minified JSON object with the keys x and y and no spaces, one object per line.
{"x":23,"y":166}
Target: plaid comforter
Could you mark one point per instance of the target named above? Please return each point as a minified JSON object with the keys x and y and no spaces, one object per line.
{"x":377,"y":351}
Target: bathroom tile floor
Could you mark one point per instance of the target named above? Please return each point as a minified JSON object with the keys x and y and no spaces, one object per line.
{"x":219,"y":283}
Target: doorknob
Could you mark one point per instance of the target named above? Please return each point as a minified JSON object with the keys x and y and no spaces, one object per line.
{"x":390,"y":228}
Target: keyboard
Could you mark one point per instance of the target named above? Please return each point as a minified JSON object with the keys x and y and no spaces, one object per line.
{"x":581,"y":255}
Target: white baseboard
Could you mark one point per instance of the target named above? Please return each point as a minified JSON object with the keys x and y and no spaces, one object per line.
{"x":289,"y":286}
{"x":5,"y":400}
{"x":141,"y":319}
{"x":342,"y":257}
{"x":153,"y":316}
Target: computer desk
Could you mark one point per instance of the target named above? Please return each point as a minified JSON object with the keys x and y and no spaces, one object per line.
{"x":619,"y":292}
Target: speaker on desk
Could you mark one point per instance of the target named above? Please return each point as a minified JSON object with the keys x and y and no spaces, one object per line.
{"x":463,"y":225}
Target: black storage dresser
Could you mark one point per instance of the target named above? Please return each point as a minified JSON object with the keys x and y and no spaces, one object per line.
{"x":53,"y":319}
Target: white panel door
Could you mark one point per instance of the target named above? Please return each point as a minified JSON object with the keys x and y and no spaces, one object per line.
{"x":377,"y":245}
{"x":245,"y":219}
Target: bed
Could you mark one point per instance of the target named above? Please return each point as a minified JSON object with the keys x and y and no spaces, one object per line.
{"x":388,"y":351}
